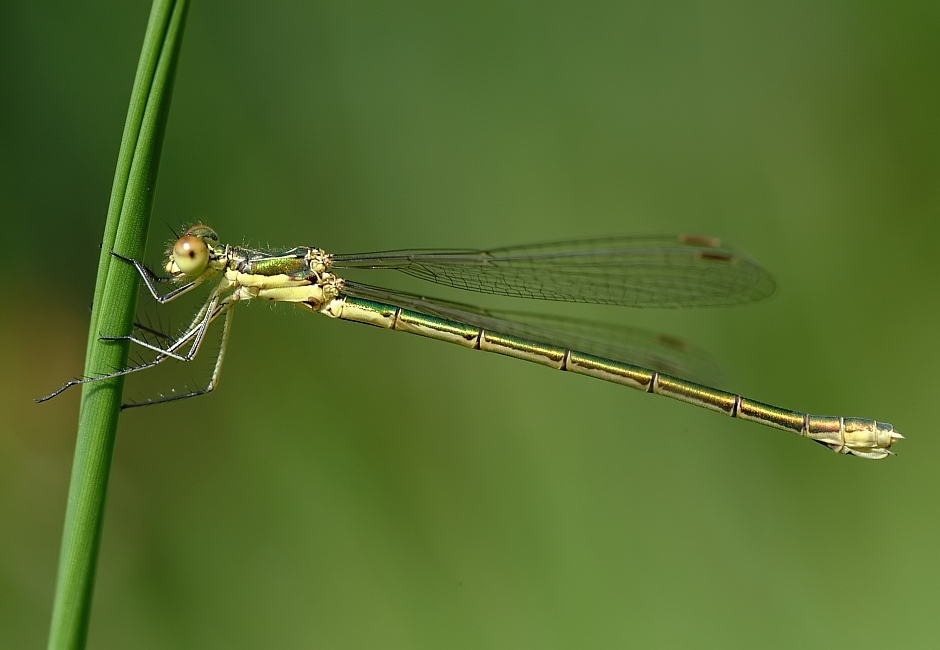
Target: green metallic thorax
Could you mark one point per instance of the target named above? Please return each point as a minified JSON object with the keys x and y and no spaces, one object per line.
{"x":293,"y":262}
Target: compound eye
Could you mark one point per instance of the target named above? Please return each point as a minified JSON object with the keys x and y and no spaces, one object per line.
{"x":191,"y":255}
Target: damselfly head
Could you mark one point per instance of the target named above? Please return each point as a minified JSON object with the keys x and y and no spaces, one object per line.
{"x":205,"y":233}
{"x":191,"y":252}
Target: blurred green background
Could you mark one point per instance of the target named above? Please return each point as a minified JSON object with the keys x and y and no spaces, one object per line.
{"x":347,"y":487}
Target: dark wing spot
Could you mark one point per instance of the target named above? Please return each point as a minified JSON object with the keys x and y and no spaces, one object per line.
{"x":699,"y":240}
{"x":716,"y":257}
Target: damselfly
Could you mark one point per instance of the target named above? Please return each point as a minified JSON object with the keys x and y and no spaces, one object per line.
{"x":645,"y":271}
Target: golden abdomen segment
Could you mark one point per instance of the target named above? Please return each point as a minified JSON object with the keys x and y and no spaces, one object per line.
{"x":856,"y":436}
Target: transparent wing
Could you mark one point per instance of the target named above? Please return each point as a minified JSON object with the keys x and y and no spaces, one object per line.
{"x":650,"y":271}
{"x":647,"y":349}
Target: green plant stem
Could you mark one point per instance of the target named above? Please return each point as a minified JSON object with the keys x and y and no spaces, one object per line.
{"x":114,"y":307}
